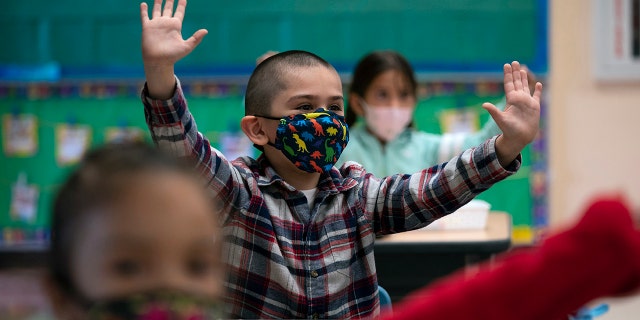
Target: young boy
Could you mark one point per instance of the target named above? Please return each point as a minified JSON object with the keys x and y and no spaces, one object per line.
{"x":134,"y":236}
{"x":299,"y":232}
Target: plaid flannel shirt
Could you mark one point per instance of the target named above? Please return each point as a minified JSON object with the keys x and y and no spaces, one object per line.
{"x":280,"y":267}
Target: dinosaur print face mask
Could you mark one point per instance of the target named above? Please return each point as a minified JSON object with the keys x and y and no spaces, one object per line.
{"x":312,"y":141}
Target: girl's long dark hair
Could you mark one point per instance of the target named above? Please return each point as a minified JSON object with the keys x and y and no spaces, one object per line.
{"x":371,"y":66}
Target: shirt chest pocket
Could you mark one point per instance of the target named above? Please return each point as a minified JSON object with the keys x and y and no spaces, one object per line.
{"x":342,"y":237}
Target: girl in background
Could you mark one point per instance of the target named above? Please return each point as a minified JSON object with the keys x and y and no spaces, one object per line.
{"x":381,"y":102}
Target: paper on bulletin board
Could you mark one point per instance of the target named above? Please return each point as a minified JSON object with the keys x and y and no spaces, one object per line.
{"x":24,"y":200}
{"x":235,"y":144}
{"x":71,"y":143}
{"x":464,"y":120}
{"x":20,"y":135}
{"x":124,"y":135}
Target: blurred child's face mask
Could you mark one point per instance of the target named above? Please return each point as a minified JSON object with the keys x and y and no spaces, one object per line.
{"x":386,"y":122}
{"x":160,"y":305}
{"x":312,"y":141}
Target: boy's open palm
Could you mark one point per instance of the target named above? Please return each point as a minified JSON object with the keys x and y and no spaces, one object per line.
{"x":162,"y":42}
{"x":520,"y":119}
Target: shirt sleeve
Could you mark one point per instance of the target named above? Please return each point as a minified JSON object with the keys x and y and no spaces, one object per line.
{"x":404,"y":202}
{"x":174,"y":130}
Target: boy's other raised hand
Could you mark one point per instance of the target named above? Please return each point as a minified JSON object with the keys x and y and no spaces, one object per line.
{"x":520,"y":119}
{"x":162,"y":42}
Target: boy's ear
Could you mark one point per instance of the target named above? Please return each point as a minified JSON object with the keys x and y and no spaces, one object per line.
{"x":252,"y":128}
{"x":355,"y":103}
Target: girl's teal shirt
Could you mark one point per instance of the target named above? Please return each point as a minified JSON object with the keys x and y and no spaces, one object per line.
{"x":412,"y":150}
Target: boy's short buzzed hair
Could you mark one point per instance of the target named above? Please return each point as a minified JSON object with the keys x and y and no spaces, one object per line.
{"x":269,"y":78}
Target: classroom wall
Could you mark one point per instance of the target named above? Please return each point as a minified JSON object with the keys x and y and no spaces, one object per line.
{"x":439,"y":35}
{"x":593,"y":126}
{"x":578,"y":104}
{"x":76,"y":59}
{"x":593,"y":129}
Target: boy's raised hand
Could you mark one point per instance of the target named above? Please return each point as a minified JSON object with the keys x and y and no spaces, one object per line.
{"x":162,"y":44}
{"x":520,"y":119}
{"x":162,"y":41}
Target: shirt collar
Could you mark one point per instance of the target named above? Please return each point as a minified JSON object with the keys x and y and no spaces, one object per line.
{"x":331,"y":182}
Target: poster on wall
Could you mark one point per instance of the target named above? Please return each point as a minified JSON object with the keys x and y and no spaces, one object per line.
{"x":71,"y":143}
{"x":464,"y":120}
{"x":24,"y":200}
{"x":235,"y":144}
{"x":123,"y":135}
{"x":616,"y":45}
{"x":20,"y":137}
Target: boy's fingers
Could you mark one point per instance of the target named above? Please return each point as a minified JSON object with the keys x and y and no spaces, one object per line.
{"x":525,"y":81}
{"x":196,"y":38}
{"x":157,"y":6}
{"x":144,"y":12}
{"x":538,"y":93}
{"x":517,"y":77}
{"x":493,"y":111}
{"x":168,"y":8}
{"x":180,"y":9}
{"x":508,"y":78}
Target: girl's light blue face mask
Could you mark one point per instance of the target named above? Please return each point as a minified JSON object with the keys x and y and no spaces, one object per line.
{"x":312,"y":141}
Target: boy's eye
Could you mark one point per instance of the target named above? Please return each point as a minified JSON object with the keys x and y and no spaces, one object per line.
{"x":335,"y":107}
{"x":306,"y":107}
{"x":127,"y":267}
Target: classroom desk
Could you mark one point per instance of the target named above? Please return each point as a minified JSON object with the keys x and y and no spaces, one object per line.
{"x":409,"y":260}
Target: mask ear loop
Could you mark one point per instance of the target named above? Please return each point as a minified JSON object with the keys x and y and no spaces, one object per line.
{"x":261,"y":148}
{"x":267,"y":117}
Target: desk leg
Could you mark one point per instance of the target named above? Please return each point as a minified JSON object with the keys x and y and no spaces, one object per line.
{"x":402,"y":273}
{"x":475,"y":258}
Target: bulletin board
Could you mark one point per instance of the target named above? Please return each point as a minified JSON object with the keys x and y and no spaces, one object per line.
{"x":43,"y":169}
{"x":218,"y":108}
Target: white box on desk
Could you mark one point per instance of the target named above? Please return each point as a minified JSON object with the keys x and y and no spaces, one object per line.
{"x":471,"y":216}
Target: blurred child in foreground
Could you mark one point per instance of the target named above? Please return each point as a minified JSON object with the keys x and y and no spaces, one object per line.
{"x":135,"y":236}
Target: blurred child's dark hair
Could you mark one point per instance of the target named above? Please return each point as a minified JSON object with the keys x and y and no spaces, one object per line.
{"x":371,"y":66}
{"x":97,"y":182}
{"x":268,"y":78}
